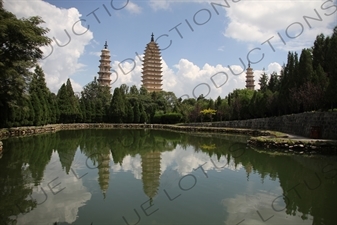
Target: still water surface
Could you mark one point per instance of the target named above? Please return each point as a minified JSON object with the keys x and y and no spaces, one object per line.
{"x":160,"y":177}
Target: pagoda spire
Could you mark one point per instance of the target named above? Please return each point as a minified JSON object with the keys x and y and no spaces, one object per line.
{"x":152,"y":39}
{"x":106,"y":45}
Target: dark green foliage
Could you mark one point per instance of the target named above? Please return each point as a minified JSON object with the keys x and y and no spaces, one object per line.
{"x":332,"y":70}
{"x":129,"y":112}
{"x":40,"y":97}
{"x":95,"y":102}
{"x":307,"y":82}
{"x":136,"y":113}
{"x":263,"y":81}
{"x":20,"y":42}
{"x":68,"y":104}
{"x":117,"y":107}
{"x":168,"y":118}
{"x":274,"y":82}
{"x":143,"y":115}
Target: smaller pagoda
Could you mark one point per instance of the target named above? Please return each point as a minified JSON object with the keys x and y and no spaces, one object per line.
{"x":104,"y":67}
{"x":250,"y":78}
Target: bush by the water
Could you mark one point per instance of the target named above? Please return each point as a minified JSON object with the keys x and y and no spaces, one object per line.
{"x":168,"y":118}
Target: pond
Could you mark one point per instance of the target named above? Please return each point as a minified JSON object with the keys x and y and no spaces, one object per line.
{"x":132,"y":177}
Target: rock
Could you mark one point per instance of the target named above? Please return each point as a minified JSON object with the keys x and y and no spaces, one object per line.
{"x":301,"y":146}
{"x":301,"y":152}
{"x":286,"y":145}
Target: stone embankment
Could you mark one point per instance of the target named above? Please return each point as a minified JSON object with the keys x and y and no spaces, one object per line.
{"x":295,"y":146}
{"x":26,"y":131}
{"x":269,"y":140}
{"x":322,"y":125}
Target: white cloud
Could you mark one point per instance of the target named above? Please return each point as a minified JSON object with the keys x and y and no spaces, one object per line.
{"x":184,"y":161}
{"x":130,"y":163}
{"x":159,"y":4}
{"x":98,"y":54}
{"x":186,"y":78}
{"x":60,"y":62}
{"x":133,"y":8}
{"x":247,"y":207}
{"x":259,"y":20}
{"x":63,"y":206}
{"x":221,"y":48}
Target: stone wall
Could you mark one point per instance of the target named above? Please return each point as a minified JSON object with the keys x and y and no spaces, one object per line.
{"x":27,"y":131}
{"x":312,"y":124}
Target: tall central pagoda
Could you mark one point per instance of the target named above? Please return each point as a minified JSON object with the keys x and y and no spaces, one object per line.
{"x":152,"y":74}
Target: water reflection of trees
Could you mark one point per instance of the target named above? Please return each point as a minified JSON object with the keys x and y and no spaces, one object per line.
{"x":98,"y":144}
{"x":27,"y":158}
{"x":308,"y":183}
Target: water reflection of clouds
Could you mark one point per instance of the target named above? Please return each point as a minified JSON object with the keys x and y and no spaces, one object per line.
{"x":184,"y":161}
{"x":60,"y":207}
{"x":130,"y":163}
{"x":259,"y":208}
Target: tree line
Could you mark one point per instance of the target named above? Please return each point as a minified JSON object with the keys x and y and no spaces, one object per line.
{"x":307,"y":82}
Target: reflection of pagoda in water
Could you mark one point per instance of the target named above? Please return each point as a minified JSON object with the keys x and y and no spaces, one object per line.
{"x":151,"y":173}
{"x":66,"y":158}
{"x":104,"y":172}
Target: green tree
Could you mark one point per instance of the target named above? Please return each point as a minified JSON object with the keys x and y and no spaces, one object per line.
{"x":117,"y":107}
{"x":134,"y":90}
{"x":20,"y":42}
{"x":129,"y":112}
{"x":136,"y":112}
{"x":39,"y":87}
{"x":263,"y":82}
{"x":332,"y":70}
{"x":63,"y":105}
{"x":305,"y":69}
{"x":95,"y":100}
{"x":143,"y":116}
{"x":38,"y":111}
{"x":274,"y":82}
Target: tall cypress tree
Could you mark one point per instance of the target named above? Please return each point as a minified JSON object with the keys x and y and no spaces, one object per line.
{"x":318,"y":54}
{"x":38,"y":111}
{"x":63,"y":104}
{"x":41,"y":89}
{"x":74,"y":103}
{"x":136,"y":112}
{"x":305,"y":71}
{"x":117,"y":107}
{"x":332,"y":69}
{"x":263,"y":82}
{"x":20,"y":42}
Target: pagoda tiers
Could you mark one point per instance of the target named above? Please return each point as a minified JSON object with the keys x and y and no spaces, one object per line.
{"x":152,"y":74}
{"x":151,"y":173}
{"x":104,"y":172}
{"x":104,"y":67}
{"x":250,"y":78}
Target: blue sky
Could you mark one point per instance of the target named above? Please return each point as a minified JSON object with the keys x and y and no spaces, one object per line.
{"x":208,"y":39}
